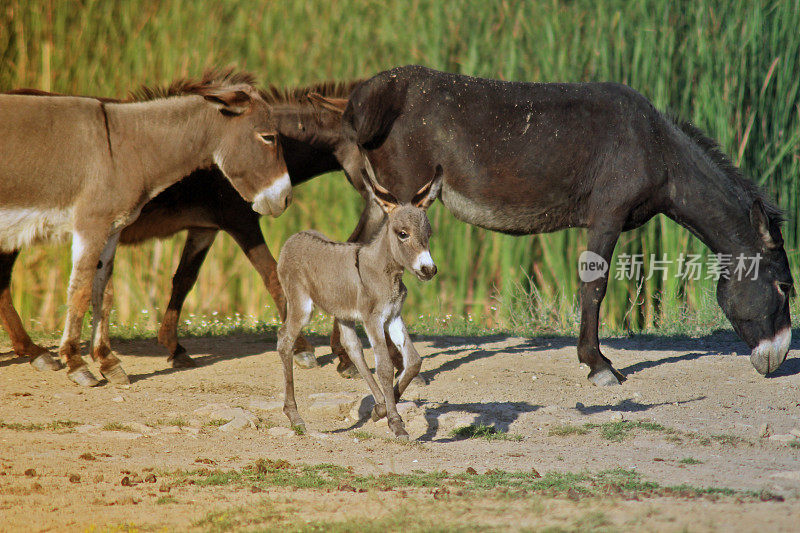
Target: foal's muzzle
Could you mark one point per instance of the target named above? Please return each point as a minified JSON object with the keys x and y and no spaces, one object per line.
{"x":427,"y":272}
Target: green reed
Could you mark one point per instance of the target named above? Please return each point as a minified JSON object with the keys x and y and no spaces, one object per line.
{"x":733,"y":68}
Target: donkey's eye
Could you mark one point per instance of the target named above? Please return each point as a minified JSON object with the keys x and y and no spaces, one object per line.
{"x":267,"y":138}
{"x":402,"y":235}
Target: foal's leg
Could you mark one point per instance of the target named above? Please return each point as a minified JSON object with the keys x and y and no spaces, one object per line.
{"x":198,"y":242}
{"x":102,"y":302}
{"x":21,"y":342}
{"x":353,"y":346}
{"x":247,"y":233}
{"x":412,"y":362}
{"x":385,"y":371}
{"x":87,"y":244}
{"x":371,"y":220}
{"x":298,"y":314}
{"x":601,"y":241}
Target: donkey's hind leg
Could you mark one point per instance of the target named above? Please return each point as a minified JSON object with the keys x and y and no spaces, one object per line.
{"x":102,"y":302}
{"x":350,"y":342}
{"x":298,"y":314}
{"x":41,"y":359}
{"x":198,"y":242}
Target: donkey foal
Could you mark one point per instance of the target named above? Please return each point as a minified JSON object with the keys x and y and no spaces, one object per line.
{"x":361,"y":282}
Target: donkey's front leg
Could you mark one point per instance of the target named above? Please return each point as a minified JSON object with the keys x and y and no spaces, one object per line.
{"x":412,"y":362}
{"x":353,"y":346}
{"x":601,"y":242}
{"x":385,"y":371}
{"x":86,"y":249}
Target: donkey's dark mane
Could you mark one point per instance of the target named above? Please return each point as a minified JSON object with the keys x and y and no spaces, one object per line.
{"x":299,"y":95}
{"x":211,"y":79}
{"x":724,"y":163}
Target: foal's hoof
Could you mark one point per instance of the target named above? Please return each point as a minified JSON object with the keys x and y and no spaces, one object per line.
{"x":606,"y":377}
{"x":348,"y":372}
{"x":45,"y":362}
{"x":83,"y":377}
{"x":116,"y":375}
{"x":378,"y":412}
{"x":305,"y":360}
{"x":181,"y":360}
{"x":418,"y":381}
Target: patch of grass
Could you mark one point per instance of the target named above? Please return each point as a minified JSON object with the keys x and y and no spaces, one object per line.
{"x":363,"y":435}
{"x":481,"y":431}
{"x":116,"y":426}
{"x":266,"y":473}
{"x":166,"y":500}
{"x":794,"y":444}
{"x":729,"y":440}
{"x":618,"y":431}
{"x":690,"y":461}
{"x":178,"y":422}
{"x":566,"y":430}
{"x":55,"y":425}
{"x":216,"y":422}
{"x":299,"y":430}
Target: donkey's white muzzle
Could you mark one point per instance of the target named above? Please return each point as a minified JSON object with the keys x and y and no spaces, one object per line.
{"x":274,"y":199}
{"x":771,"y":353}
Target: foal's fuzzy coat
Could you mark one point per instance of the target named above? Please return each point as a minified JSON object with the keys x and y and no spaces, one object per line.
{"x":360,"y":282}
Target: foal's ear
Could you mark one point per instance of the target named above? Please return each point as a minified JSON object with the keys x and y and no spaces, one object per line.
{"x":430,"y":191}
{"x":761,"y":223}
{"x":379,"y":194}
{"x":231,"y":101}
{"x":335,"y":105}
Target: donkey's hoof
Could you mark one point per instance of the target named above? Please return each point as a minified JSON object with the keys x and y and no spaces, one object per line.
{"x":83,"y":377}
{"x":45,"y":362}
{"x":606,"y":377}
{"x":348,"y":372}
{"x":116,"y":375}
{"x":181,"y":360}
{"x":305,"y":360}
{"x":403,"y":436}
{"x":378,"y":412}
{"x":418,"y":381}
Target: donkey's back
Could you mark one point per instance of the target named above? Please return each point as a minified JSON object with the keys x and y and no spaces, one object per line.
{"x":49,"y":140}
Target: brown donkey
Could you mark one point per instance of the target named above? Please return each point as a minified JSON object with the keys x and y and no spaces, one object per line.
{"x":87,"y":167}
{"x":361,"y":282}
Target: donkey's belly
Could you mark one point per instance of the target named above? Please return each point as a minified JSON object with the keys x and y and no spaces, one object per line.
{"x":512,"y":218}
{"x":21,"y":227}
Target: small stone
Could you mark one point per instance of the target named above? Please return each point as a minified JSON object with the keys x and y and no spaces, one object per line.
{"x":98,"y":478}
{"x":126,"y":482}
{"x":764,"y":431}
{"x":280,"y":431}
{"x":118,"y":399}
{"x":237,"y":423}
{"x":74,"y":478}
{"x":266,"y":405}
{"x":30,"y":472}
{"x":795,"y":432}
{"x":616,"y":417}
{"x":150,"y":478}
{"x":87,"y":457}
{"x":331,"y":405}
{"x":783,"y":438}
{"x":164,"y":488}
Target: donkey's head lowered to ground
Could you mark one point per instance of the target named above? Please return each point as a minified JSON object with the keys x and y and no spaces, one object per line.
{"x":408,"y":227}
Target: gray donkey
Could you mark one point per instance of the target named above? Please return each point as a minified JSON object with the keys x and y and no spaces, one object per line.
{"x":361,"y":282}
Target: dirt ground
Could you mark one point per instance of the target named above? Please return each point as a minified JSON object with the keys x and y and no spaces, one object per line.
{"x":710,"y":403}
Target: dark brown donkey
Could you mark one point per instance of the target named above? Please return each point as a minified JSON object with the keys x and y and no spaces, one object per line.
{"x":524,"y":158}
{"x":205,"y":203}
{"x":87,"y":167}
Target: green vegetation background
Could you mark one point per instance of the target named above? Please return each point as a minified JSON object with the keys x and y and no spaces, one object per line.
{"x":733,"y":68}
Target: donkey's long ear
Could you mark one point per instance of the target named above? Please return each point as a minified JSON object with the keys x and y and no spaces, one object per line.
{"x":760,"y":222}
{"x":336,"y":105}
{"x":379,"y":194}
{"x":430,"y":191}
{"x":231,"y":100}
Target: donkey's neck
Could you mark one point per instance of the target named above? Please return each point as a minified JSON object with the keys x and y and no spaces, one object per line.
{"x":714,"y":207}
{"x":376,"y":256}
{"x":161,"y":141}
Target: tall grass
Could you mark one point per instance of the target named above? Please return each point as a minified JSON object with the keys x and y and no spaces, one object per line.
{"x":733,"y":68}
